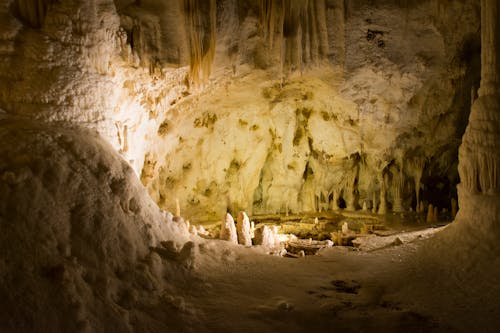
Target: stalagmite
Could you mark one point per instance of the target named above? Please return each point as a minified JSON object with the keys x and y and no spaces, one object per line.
{"x":350,"y":190}
{"x":177,"y":208}
{"x":479,"y":155}
{"x":243,"y":228}
{"x":265,"y":236}
{"x":435,"y":215}
{"x":335,"y":200}
{"x":374,"y":202}
{"x":252,"y":229}
{"x":430,"y":214}
{"x":421,"y":207}
{"x":228,"y":229}
{"x":382,"y":209}
{"x":345,"y":228}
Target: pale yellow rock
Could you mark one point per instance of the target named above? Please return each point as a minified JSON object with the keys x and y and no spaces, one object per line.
{"x":243,"y":228}
{"x":228,"y":229}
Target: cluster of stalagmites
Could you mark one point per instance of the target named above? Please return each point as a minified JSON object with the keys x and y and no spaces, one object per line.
{"x":391,"y":195}
{"x":243,"y":232}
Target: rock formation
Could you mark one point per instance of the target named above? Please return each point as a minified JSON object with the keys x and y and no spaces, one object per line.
{"x":479,"y":157}
{"x":326,"y":91}
{"x":228,"y":229}
{"x":267,"y":236}
{"x":243,"y":228}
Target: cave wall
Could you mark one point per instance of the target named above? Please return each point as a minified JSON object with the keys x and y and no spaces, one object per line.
{"x":268,"y":106}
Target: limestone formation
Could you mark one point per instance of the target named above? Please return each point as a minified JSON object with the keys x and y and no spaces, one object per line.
{"x":201,"y":20}
{"x":243,"y":228}
{"x":228,"y":229}
{"x":266,"y":236}
{"x":337,"y":82}
{"x":421,"y":207}
{"x":398,"y":188}
{"x":430,"y":214}
{"x":479,"y":154}
{"x":345,"y":228}
{"x":382,"y":208}
{"x":416,"y":168}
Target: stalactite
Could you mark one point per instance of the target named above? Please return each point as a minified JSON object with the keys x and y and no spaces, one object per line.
{"x":33,"y":11}
{"x":200,"y":21}
{"x":335,"y":16}
{"x":322,"y":30}
{"x":416,"y":168}
{"x":301,"y":29}
{"x":268,"y":18}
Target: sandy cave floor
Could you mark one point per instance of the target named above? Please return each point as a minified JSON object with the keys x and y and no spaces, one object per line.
{"x":337,"y":290}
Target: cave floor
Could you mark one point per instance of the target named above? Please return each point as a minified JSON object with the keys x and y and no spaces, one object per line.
{"x":242,"y":289}
{"x":361,"y":288}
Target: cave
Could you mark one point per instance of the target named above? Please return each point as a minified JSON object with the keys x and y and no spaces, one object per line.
{"x":249,"y":165}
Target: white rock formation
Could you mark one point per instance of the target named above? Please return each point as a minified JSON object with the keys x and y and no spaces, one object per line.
{"x":228,"y":229}
{"x":243,"y":228}
{"x":345,"y":228}
{"x":267,"y":236}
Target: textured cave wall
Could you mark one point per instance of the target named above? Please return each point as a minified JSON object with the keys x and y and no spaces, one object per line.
{"x":267,"y":106}
{"x":307,"y":119}
{"x":78,"y":64}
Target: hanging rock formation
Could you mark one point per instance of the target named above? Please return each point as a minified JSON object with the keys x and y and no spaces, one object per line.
{"x":200,"y":19}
